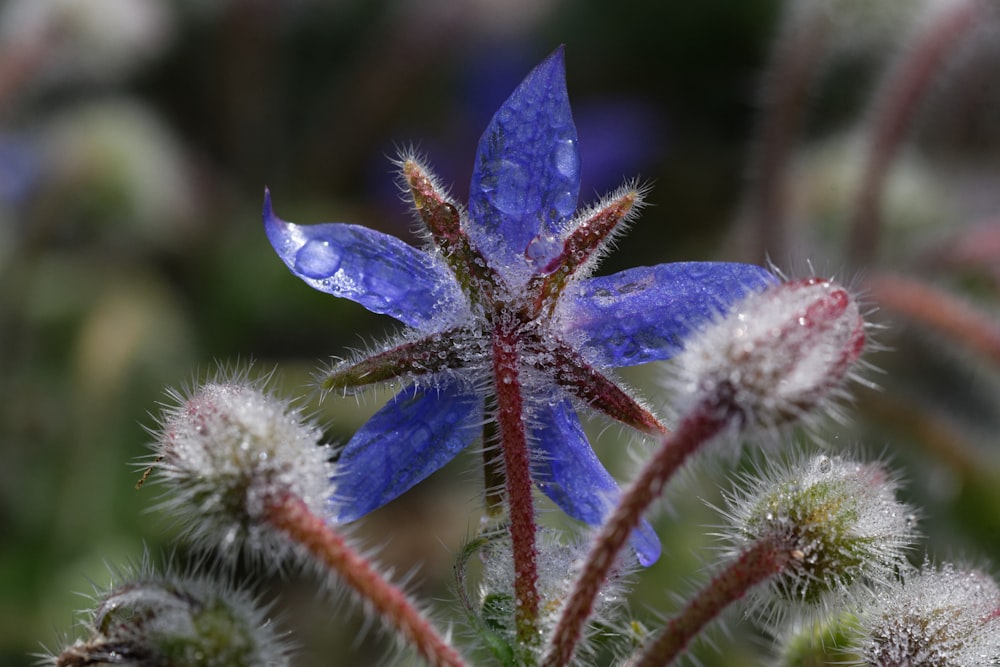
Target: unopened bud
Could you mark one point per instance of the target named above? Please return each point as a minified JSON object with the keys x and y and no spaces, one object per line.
{"x":838,"y":520}
{"x":946,"y":617}
{"x":169,"y":621}
{"x":776,"y":355}
{"x":819,"y":642}
{"x":229,"y":450}
{"x":558,"y":563}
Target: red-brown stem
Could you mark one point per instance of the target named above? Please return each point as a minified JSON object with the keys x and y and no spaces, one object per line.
{"x":928,"y":428}
{"x":21,"y":60}
{"x":796,"y":53}
{"x":700,"y":426}
{"x":759,"y":562}
{"x":941,"y":311}
{"x":517,"y":465}
{"x":291,"y":516}
{"x":896,"y":108}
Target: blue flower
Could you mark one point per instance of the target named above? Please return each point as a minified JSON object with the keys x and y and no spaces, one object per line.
{"x":507,"y":326}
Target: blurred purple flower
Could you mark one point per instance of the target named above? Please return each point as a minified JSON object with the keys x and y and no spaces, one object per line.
{"x":20,"y":169}
{"x":504,"y":315}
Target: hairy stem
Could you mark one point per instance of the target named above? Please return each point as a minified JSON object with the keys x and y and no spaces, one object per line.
{"x":517,"y":465}
{"x":700,"y":426}
{"x":290,"y":515}
{"x":896,"y":108}
{"x":944,"y":312}
{"x":794,"y":59}
{"x":759,"y":562}
{"x":493,"y":474}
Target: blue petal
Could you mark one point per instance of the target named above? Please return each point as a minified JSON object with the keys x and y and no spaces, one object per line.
{"x":382,"y":273}
{"x":566,"y":469}
{"x":644,"y":314}
{"x":414,"y":435}
{"x":527,"y":171}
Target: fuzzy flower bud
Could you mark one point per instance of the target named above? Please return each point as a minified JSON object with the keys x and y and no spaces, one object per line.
{"x":819,"y":642}
{"x":557,"y":562}
{"x":776,"y":355}
{"x":175,"y":621}
{"x":227,"y":452}
{"x":946,"y":617}
{"x":838,"y":520}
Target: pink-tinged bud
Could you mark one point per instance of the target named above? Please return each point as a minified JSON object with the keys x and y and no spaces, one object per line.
{"x":776,"y":355}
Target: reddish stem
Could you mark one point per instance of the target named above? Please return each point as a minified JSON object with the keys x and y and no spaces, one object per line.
{"x":22,"y":59}
{"x":794,"y":59}
{"x":517,"y":465}
{"x":292,"y":517}
{"x":693,"y":432}
{"x":940,"y":310}
{"x":895,"y":110}
{"x":758,"y":563}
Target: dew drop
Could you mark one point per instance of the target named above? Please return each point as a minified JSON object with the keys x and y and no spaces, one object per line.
{"x":510,"y":196}
{"x":564,"y":204}
{"x":565,"y":159}
{"x":542,"y":249}
{"x":317,"y":259}
{"x":378,"y":285}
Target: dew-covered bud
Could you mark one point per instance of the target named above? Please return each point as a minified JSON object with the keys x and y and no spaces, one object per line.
{"x":558,"y":563}
{"x":818,"y":642}
{"x":776,"y":355}
{"x":228,"y":451}
{"x":837,"y":520}
{"x":175,"y":621}
{"x":945,"y":617}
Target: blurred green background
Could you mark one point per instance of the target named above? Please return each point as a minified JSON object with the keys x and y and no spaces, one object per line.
{"x":136,"y":138}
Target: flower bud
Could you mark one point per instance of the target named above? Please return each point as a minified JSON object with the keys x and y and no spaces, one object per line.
{"x":946,"y":617}
{"x":227,"y":451}
{"x":838,"y":520}
{"x":172,"y":621}
{"x":776,"y":355}
{"x":558,"y":564}
{"x":819,"y":642}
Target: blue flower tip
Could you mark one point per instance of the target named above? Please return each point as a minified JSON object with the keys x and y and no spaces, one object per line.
{"x":646,"y":544}
{"x":271,"y":221}
{"x":557,"y":58}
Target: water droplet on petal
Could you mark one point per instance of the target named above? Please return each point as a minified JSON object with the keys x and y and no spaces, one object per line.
{"x":542,"y":249}
{"x":564,"y":204}
{"x":317,"y":259}
{"x":510,"y":195}
{"x":565,"y":159}
{"x":376,"y":285}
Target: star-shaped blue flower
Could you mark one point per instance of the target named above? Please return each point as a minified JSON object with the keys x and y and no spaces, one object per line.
{"x":507,"y":328}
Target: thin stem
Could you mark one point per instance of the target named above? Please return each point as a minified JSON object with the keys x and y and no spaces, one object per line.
{"x":759,"y":562}
{"x":493,"y":475}
{"x":940,"y":310}
{"x":21,"y":59}
{"x":927,"y":427}
{"x":797,"y":50}
{"x":291,"y":516}
{"x":517,"y":465}
{"x":896,"y":108}
{"x":700,"y":426}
